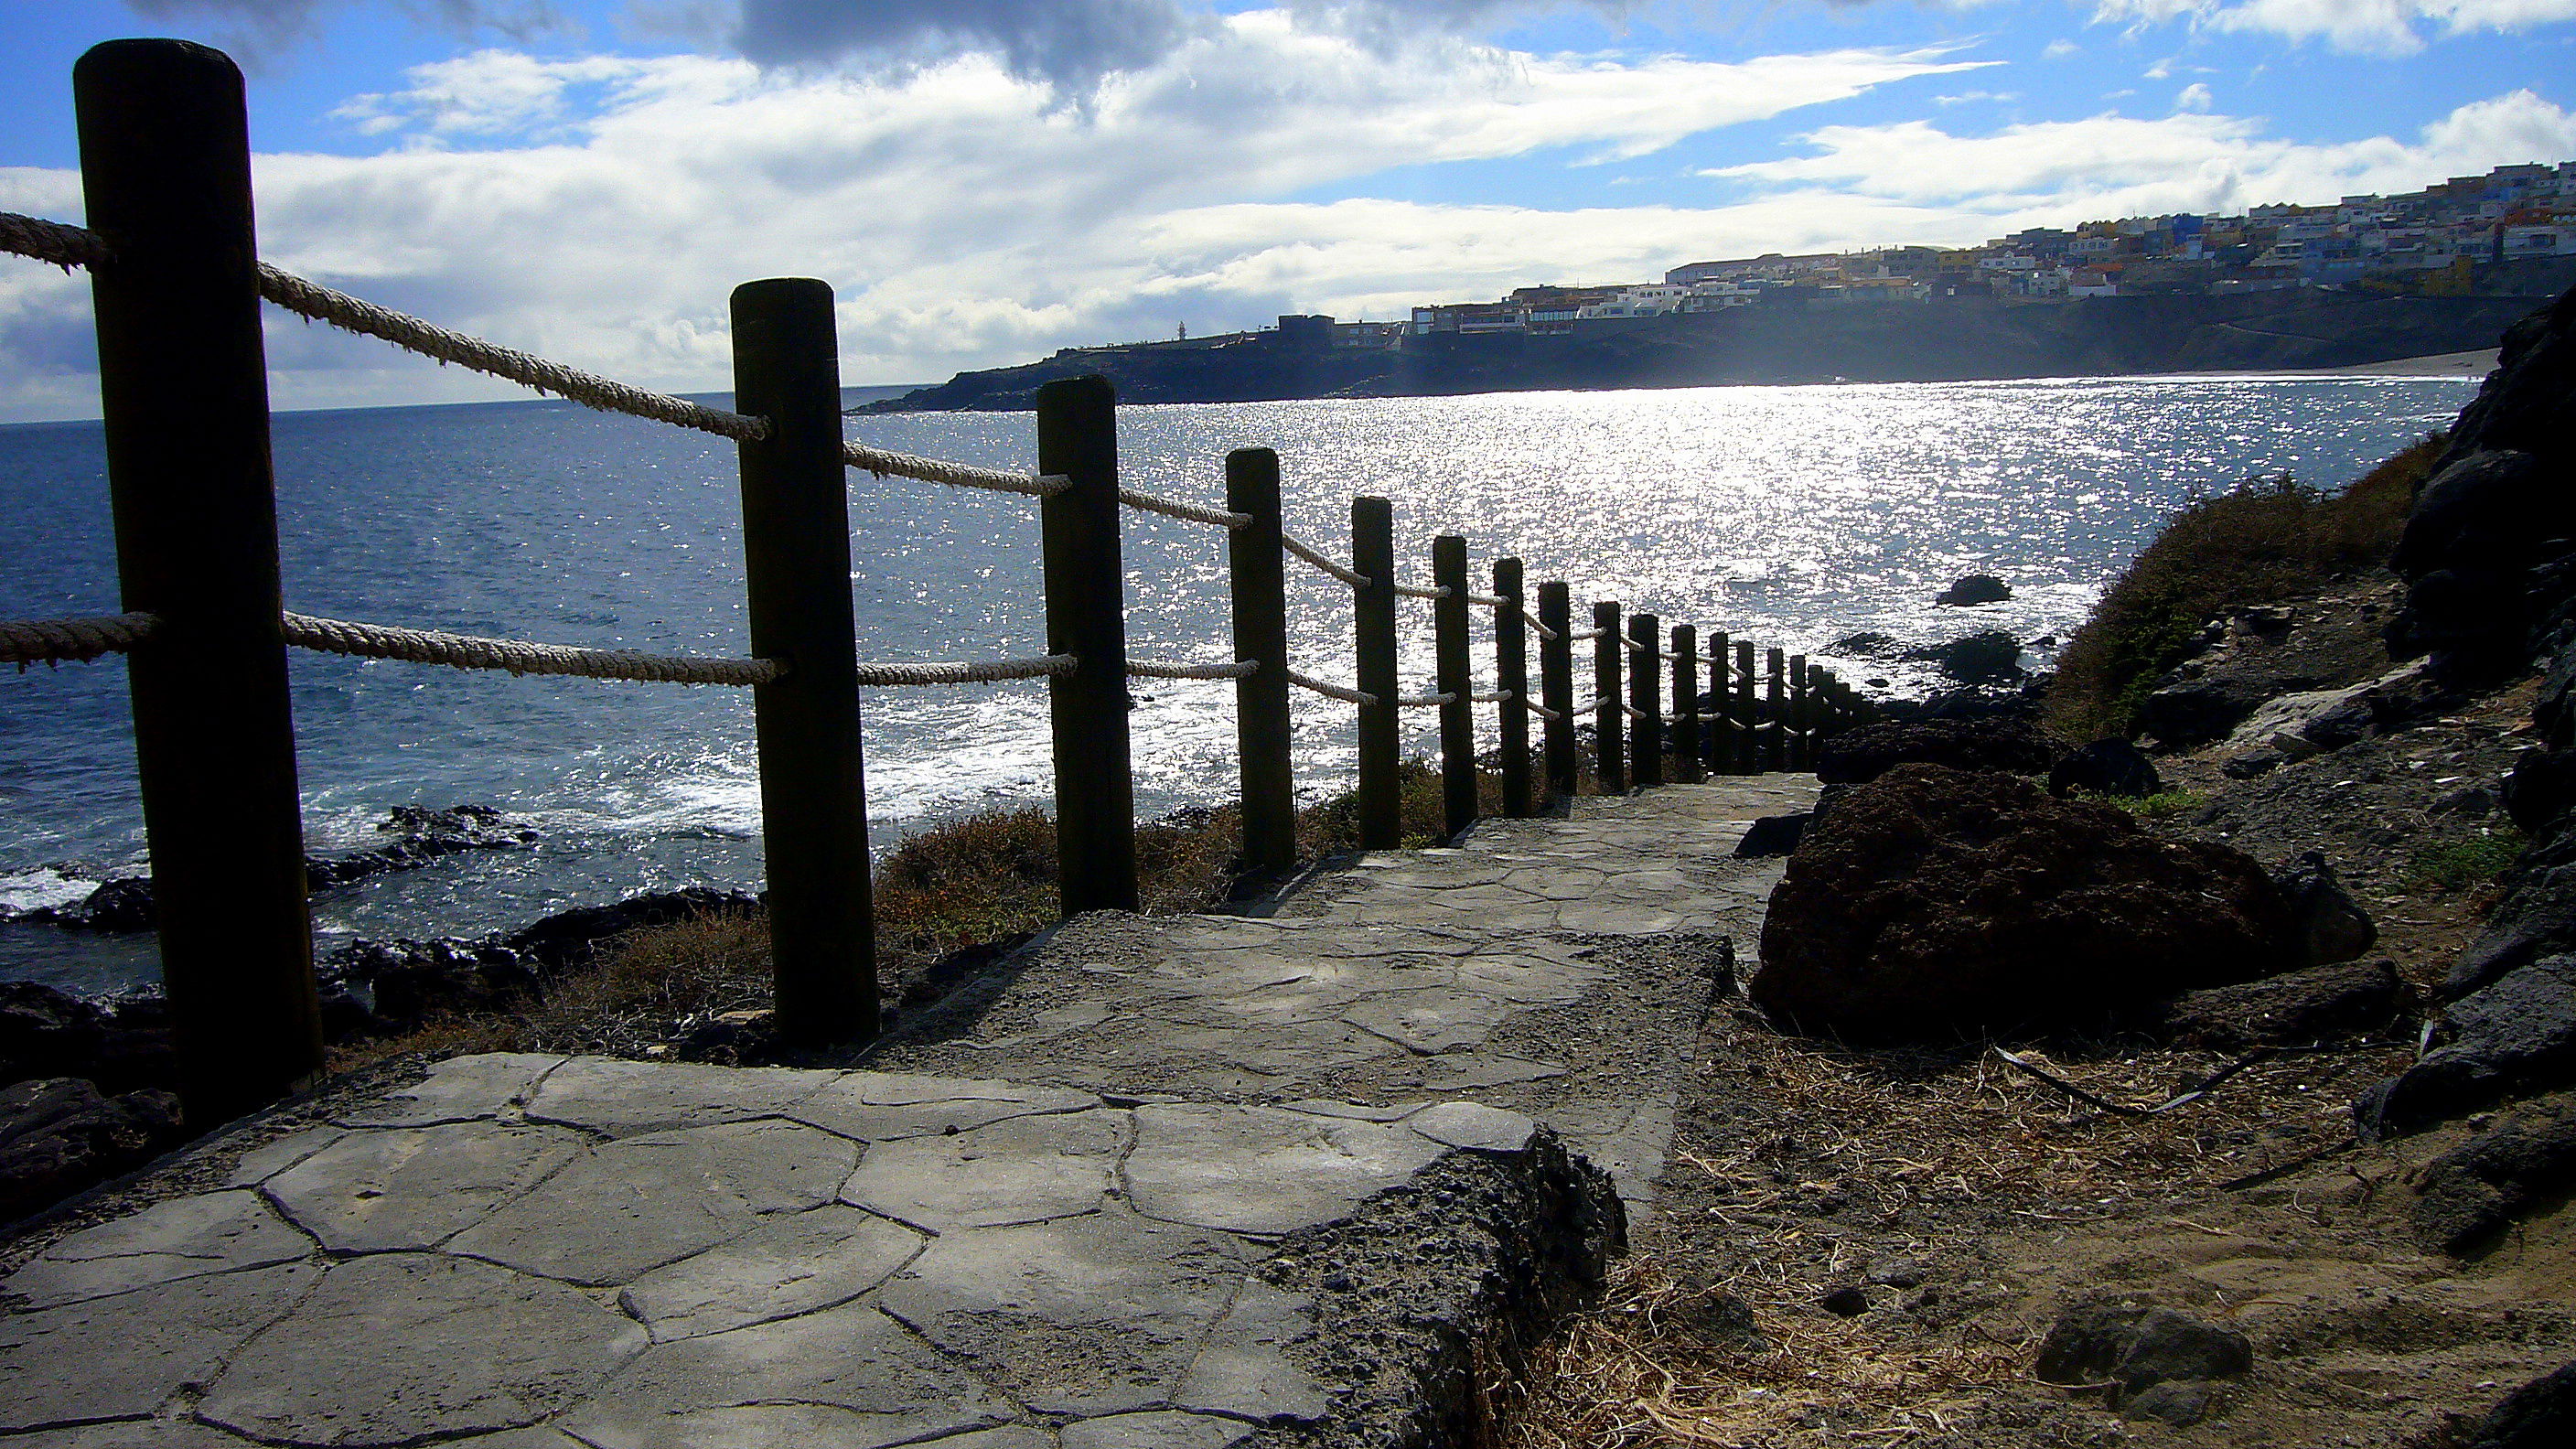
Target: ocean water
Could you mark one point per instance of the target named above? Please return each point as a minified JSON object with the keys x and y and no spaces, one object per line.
{"x":1791,"y":516}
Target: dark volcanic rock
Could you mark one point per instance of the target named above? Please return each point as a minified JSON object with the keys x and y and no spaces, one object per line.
{"x":2515,"y":1035}
{"x":2540,"y":787}
{"x":1771,"y":835}
{"x":1975,"y":589}
{"x":59,"y":1136}
{"x":2198,"y":711}
{"x":2329,"y":925}
{"x":2539,"y":1415}
{"x":426,"y":835}
{"x":416,"y":979}
{"x":121,"y":1045}
{"x":2009,"y":744}
{"x":1866,"y":643}
{"x":2486,"y":1182}
{"x":2105,"y":767}
{"x":2135,"y":1346}
{"x":2301,"y":1006}
{"x":1992,"y":657}
{"x":1937,"y":902}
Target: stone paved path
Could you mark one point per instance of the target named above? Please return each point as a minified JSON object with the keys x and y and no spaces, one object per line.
{"x":1176,"y":1183}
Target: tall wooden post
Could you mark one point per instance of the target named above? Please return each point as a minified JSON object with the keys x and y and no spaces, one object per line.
{"x":1686,"y":742}
{"x":1556,"y":687}
{"x":1721,"y":728}
{"x":1608,"y":722}
{"x":796,"y":550}
{"x":1095,"y":803}
{"x":1261,"y":726}
{"x":1802,"y":731}
{"x":1748,"y":714}
{"x":183,"y":384}
{"x":1373,"y":615}
{"x":1455,"y":678}
{"x":1511,"y":678}
{"x":1645,"y":696}
{"x":1774,"y":704}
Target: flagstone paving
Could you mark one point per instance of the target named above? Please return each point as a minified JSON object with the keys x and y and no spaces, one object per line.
{"x":1184,"y":1183}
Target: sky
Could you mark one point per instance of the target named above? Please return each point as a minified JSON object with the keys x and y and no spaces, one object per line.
{"x":985,"y":181}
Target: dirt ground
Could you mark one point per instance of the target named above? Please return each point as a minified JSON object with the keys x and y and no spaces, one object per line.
{"x":1949,"y":1204}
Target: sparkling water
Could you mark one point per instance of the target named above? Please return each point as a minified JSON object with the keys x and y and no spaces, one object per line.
{"x":1790,"y":516}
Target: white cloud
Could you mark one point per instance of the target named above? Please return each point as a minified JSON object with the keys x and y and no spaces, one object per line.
{"x":2060,"y":49}
{"x":2388,"y":27}
{"x":600,"y":210}
{"x":2055,"y":172}
{"x":2194,"y":97}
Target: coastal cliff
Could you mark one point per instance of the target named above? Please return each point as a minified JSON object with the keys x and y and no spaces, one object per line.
{"x":1950,"y":339}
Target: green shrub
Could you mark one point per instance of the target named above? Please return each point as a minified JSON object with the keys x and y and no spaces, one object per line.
{"x":2263,"y":541}
{"x":2149,"y":807}
{"x":2464,"y":864}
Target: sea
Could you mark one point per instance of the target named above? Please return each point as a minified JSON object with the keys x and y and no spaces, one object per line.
{"x":1791,"y":516}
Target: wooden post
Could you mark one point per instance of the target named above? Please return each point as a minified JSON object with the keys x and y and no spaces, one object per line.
{"x":1609,"y":776}
{"x":1775,"y":755}
{"x":1373,"y":615}
{"x":183,"y":385}
{"x":1801,"y":727}
{"x":1686,"y":741}
{"x":1748,"y":714}
{"x":1721,"y":728}
{"x":1257,"y":570}
{"x":1556,"y":688}
{"x":796,"y":551}
{"x":1095,"y":803}
{"x":1645,"y":695}
{"x":1456,"y":679}
{"x":1511,"y":677}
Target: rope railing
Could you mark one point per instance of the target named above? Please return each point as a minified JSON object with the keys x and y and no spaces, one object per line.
{"x":468,"y":651}
{"x":1174,"y":508}
{"x":1420,"y":591}
{"x":1150,"y":669}
{"x":1330,"y":690}
{"x":885,"y":463}
{"x":1425,"y":701}
{"x":1536,"y":626}
{"x":55,"y":242}
{"x":1490,"y":601}
{"x":1304,"y":550}
{"x":67,"y":641}
{"x":959,"y":671}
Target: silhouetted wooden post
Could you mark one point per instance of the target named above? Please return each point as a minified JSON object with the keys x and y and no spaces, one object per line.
{"x":1686,"y":744}
{"x":1748,"y":714}
{"x":1802,"y":746}
{"x":1645,"y":696}
{"x":796,"y":552}
{"x":1721,"y":732}
{"x":1086,"y":614}
{"x":1556,"y":688}
{"x":1373,"y":614}
{"x":1610,"y":776}
{"x":1454,"y":677}
{"x":1511,"y":678}
{"x":183,"y":385}
{"x":1257,"y":570}
{"x":1776,"y":757}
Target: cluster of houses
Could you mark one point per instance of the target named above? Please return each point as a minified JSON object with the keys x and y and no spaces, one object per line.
{"x":2427,"y":242}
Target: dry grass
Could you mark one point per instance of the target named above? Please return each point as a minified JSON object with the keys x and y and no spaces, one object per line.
{"x":1810,"y":1160}
{"x":2264,"y":541}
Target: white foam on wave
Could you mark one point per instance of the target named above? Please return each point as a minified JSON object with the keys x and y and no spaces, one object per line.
{"x":43,"y":887}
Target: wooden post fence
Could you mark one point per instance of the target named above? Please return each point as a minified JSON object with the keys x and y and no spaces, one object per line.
{"x":1373,"y":619}
{"x":1095,"y":803}
{"x":1802,"y":738}
{"x":796,"y":549}
{"x":1748,"y":716}
{"x":1721,"y":728}
{"x":1645,"y":696}
{"x":1609,"y":775}
{"x":1775,"y":755}
{"x":1556,"y":688}
{"x":1455,"y":678}
{"x":1511,"y":677}
{"x":1686,"y":745}
{"x":1258,"y":571}
{"x":183,"y":387}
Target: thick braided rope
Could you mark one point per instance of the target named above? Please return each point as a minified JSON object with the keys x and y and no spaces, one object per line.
{"x":1312,"y":555}
{"x":1173,"y":507}
{"x":1417,"y":591}
{"x":51,"y":241}
{"x":467,"y":651}
{"x":55,"y":641}
{"x":1542,"y":711}
{"x":881,"y":462}
{"x":1329,"y":690}
{"x":1498,"y":696}
{"x":1148,"y":669}
{"x":321,"y":304}
{"x":1540,"y":629}
{"x":1588,"y":634}
{"x":1425,"y":701}
{"x":990,"y":671}
{"x":1490,"y":601}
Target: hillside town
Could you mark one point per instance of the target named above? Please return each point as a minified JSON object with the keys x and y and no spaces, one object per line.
{"x":2420,"y":243}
